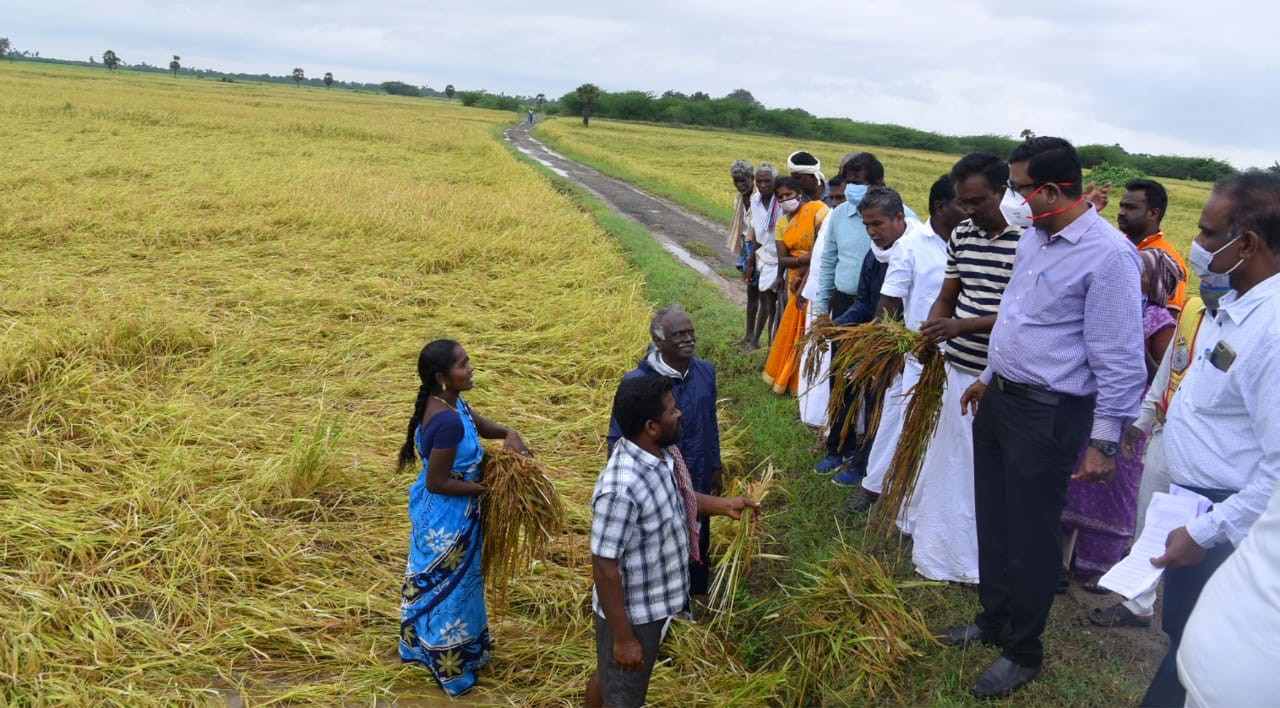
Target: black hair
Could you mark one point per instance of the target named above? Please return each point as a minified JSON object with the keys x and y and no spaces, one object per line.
{"x":868,"y":165}
{"x":941,"y":191}
{"x":1255,"y":204}
{"x":438,"y":357}
{"x":984,"y":163}
{"x":883,"y":198}
{"x":836,"y":181}
{"x":788,"y":182}
{"x":1051,"y":160}
{"x":1157,"y":198}
{"x":638,"y":401}
{"x":803,"y":157}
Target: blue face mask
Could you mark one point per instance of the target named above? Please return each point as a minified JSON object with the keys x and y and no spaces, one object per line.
{"x":853,"y":193}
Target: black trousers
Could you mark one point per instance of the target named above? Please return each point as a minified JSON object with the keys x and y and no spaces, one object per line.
{"x":1182,"y":588}
{"x":1024,"y":452}
{"x":700,"y":573}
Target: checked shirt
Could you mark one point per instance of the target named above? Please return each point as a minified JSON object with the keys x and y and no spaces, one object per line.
{"x":638,"y":519}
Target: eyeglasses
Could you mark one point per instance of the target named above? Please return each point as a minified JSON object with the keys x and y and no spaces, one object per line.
{"x":1017,"y":188}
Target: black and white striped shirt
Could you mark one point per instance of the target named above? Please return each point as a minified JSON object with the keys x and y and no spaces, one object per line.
{"x":983,"y":264}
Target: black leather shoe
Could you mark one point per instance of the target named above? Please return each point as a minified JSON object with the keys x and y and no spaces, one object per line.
{"x":1002,"y":678}
{"x":961,"y":636}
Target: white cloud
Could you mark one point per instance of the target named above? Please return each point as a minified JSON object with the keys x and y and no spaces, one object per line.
{"x":1181,"y":76}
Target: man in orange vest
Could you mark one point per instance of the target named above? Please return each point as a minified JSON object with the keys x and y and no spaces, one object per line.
{"x":1141,"y":211}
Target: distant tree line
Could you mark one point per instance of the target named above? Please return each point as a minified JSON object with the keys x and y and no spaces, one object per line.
{"x":741,"y":111}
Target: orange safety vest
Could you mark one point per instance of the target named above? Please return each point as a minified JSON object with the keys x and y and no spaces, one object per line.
{"x":1184,"y":347}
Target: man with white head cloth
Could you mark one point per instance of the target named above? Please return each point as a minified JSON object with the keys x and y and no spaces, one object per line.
{"x":807,"y":170}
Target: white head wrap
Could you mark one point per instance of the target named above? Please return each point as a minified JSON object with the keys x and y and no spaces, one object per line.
{"x":814,"y":169}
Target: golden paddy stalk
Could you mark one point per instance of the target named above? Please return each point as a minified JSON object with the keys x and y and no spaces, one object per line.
{"x":213,"y":297}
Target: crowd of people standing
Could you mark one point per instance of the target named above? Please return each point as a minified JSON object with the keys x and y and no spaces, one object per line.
{"x":1065,"y":341}
{"x":1081,"y":381}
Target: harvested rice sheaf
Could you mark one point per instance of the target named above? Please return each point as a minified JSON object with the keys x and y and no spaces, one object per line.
{"x":522,"y":514}
{"x":737,"y":544}
{"x":849,"y":629}
{"x":865,"y":360}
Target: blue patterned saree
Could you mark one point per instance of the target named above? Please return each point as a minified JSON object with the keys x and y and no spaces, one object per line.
{"x":444,"y":625}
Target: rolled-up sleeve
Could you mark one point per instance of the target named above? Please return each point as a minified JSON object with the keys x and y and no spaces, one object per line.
{"x":1232,"y":519}
{"x":1113,"y":342}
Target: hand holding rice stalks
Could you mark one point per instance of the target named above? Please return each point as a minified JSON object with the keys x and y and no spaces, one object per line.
{"x":739,"y":543}
{"x":522,"y":513}
{"x":865,"y":359}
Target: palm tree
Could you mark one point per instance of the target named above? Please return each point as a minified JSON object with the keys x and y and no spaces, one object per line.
{"x":298,"y":76}
{"x":449,"y":91}
{"x":540,"y":99}
{"x":588,"y":93}
{"x":328,"y":79}
{"x":174,"y":65}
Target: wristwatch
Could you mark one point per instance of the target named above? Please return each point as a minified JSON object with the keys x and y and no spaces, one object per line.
{"x":1106,"y":447}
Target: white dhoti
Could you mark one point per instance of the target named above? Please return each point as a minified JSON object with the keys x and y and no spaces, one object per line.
{"x":892,"y":414}
{"x":815,"y":394}
{"x":944,"y":529}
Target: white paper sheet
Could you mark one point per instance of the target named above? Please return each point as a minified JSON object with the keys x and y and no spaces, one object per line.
{"x":1135,"y":575}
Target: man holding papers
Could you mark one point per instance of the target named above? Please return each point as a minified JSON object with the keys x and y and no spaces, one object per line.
{"x":1222,"y":436}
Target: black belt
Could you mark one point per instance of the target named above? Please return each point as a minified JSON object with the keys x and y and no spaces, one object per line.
{"x":1217,"y":496}
{"x":1033,"y":393}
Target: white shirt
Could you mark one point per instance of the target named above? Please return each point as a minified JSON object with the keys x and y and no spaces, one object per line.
{"x":917,"y":266}
{"x":765,"y":238}
{"x":1229,"y":649}
{"x":1223,"y":427}
{"x":810,"y":291}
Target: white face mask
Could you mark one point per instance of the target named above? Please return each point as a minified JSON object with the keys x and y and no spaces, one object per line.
{"x":1200,"y":259}
{"x":1016,"y":211}
{"x":881,"y":254}
{"x":791,"y":205}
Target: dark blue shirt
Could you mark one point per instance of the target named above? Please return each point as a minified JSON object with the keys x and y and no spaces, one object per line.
{"x":864,"y":306}
{"x":699,"y":427}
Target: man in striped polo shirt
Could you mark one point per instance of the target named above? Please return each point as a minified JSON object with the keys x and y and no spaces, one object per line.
{"x":979,"y":261}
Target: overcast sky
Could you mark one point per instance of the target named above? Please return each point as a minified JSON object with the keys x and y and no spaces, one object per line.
{"x":1188,"y":77}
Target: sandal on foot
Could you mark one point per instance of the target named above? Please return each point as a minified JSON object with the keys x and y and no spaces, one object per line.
{"x":1117,"y":616}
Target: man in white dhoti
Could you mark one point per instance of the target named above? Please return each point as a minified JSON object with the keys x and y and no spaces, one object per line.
{"x":979,"y":261}
{"x":911,"y":284}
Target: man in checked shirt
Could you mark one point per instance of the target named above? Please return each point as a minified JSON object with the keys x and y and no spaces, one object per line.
{"x":643,"y":534}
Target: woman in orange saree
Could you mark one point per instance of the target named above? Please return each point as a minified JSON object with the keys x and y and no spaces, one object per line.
{"x":796,"y":232}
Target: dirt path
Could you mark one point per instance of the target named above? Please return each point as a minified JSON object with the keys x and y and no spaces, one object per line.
{"x":680,"y":231}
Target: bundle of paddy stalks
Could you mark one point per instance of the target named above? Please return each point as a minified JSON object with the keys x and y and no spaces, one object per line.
{"x":848,"y":630}
{"x":865,"y":359}
{"x":522,"y":514}
{"x":737,"y":544}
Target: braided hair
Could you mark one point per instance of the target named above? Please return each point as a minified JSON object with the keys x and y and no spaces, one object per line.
{"x":438,"y":357}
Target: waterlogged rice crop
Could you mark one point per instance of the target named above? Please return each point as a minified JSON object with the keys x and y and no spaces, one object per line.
{"x":211,"y":297}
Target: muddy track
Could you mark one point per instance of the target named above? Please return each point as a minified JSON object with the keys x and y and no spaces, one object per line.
{"x":683,"y":233}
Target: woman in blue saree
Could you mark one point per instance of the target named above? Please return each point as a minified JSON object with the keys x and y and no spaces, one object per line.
{"x":443,"y":624}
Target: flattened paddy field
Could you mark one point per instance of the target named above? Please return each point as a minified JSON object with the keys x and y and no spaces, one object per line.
{"x":212,"y":296}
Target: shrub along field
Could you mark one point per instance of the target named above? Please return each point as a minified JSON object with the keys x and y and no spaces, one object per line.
{"x":691,"y":166}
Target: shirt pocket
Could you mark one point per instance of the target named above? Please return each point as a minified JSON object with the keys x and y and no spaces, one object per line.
{"x":1050,"y":301}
